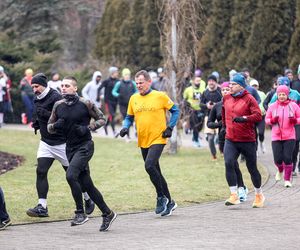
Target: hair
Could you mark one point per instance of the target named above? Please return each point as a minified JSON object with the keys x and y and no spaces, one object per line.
{"x":73,"y":79}
{"x":143,"y":73}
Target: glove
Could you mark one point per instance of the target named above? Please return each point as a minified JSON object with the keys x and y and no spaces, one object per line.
{"x":36,"y":126}
{"x":293,"y":120}
{"x":167,"y":133}
{"x":81,"y":130}
{"x":240,"y":119}
{"x":59,"y":124}
{"x":274,"y":119}
{"x":123,"y":132}
{"x":41,"y":112}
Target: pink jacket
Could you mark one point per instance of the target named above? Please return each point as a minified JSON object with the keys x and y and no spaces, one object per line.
{"x":283,"y":129}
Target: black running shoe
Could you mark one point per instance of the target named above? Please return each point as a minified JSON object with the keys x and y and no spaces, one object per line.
{"x":107,"y":221}
{"x":5,"y":224}
{"x":89,"y":206}
{"x":79,"y":219}
{"x":170,"y":208}
{"x":161,"y":204}
{"x":38,"y":211}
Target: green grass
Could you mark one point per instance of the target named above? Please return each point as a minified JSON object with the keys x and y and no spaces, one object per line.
{"x":118,"y":172}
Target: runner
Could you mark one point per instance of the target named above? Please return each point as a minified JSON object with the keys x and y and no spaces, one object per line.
{"x":283,"y":115}
{"x":51,"y":147}
{"x":148,"y":109}
{"x":72,"y":116}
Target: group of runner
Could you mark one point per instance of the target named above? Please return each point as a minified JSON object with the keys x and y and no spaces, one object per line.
{"x":231,"y":108}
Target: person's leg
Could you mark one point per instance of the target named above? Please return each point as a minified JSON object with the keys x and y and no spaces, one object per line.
{"x":78,"y":159}
{"x":211,"y":143}
{"x":3,"y":213}
{"x":239,"y":176}
{"x":277,"y":148}
{"x":261,"y":134}
{"x":123,"y":110}
{"x":288,"y":147}
{"x":112,"y":111}
{"x":295,"y":151}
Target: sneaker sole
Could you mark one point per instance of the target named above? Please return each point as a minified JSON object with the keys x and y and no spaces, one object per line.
{"x":78,"y":224}
{"x":169,"y":214}
{"x":110,"y":223}
{"x":32,"y":214}
{"x":5,"y":226}
{"x":227,"y":203}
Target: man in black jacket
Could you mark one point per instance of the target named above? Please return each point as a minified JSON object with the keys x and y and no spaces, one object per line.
{"x":72,"y":117}
{"x":51,"y":147}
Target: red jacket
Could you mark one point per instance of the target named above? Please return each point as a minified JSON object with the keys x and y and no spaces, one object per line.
{"x":243,"y":105}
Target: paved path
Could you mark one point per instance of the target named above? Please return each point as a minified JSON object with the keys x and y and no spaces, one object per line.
{"x":205,"y":226}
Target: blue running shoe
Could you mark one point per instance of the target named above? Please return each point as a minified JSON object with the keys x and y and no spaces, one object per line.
{"x":243,"y":192}
{"x":161,"y":204}
{"x":170,"y":208}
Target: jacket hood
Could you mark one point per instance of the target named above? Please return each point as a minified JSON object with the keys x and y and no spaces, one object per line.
{"x":95,"y":75}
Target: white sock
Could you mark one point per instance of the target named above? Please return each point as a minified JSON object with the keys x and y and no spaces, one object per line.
{"x":233,"y":189}
{"x":43,"y":202}
{"x":1,"y":118}
{"x":86,"y":196}
{"x":258,"y":190}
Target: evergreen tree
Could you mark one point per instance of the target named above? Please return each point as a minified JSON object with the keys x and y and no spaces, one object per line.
{"x":294,"y":56}
{"x":267,"y":46}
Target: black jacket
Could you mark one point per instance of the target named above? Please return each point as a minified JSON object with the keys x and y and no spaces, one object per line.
{"x":108,"y":84}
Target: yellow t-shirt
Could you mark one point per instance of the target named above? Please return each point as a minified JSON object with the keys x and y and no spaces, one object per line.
{"x":149,"y":113}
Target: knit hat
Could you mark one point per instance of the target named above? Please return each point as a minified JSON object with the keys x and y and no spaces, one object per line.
{"x":40,"y":79}
{"x":254,"y":82}
{"x":198,"y":73}
{"x":283,"y":89}
{"x":239,"y":79}
{"x":216,"y":74}
{"x":287,"y":71}
{"x":160,"y":70}
{"x":224,"y":85}
{"x":126,"y":72}
{"x":283,"y":80}
{"x":212,"y":77}
{"x":112,"y":70}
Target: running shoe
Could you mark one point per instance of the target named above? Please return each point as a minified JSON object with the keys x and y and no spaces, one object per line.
{"x":287,"y":184}
{"x":258,"y":201}
{"x":278,"y":176}
{"x":232,"y":200}
{"x":5,"y":223}
{"x":170,"y":208}
{"x":38,"y":211}
{"x":107,"y":221}
{"x":161,"y":204}
{"x":79,"y":219}
{"x":242,"y":192}
{"x":89,"y":206}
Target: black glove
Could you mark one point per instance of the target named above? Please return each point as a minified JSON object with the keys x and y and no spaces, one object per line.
{"x":239,"y":119}
{"x":123,"y":132}
{"x":41,"y":112}
{"x":59,"y":124}
{"x":81,"y":130}
{"x":167,"y":133}
{"x":36,"y":126}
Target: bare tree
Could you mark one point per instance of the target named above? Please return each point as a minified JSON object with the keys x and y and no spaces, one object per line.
{"x":179,"y":25}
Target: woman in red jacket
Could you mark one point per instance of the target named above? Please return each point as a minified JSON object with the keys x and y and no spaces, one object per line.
{"x":282,"y":116}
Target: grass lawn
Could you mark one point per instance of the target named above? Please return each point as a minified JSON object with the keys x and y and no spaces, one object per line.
{"x":117,"y":170}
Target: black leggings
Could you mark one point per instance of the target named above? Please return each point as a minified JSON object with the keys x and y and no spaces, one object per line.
{"x":261,"y":126}
{"x":232,"y":150}
{"x":111,"y":108}
{"x":211,"y":144}
{"x":78,"y":173}
{"x":3,"y":213}
{"x":196,"y":123}
{"x":42,"y":169}
{"x":151,"y":157}
{"x":283,"y":151}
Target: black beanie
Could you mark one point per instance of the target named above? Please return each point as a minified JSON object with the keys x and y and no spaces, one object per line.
{"x":212,"y":77}
{"x":40,"y":79}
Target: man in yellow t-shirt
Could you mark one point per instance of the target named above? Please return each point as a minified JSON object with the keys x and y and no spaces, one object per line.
{"x":148,"y":109}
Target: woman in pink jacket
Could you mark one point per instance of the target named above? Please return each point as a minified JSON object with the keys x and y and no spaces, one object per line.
{"x":282,"y":116}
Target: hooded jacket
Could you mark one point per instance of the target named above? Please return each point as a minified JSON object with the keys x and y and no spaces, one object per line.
{"x":283,"y":129}
{"x":236,"y":106}
{"x":90,"y":90}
